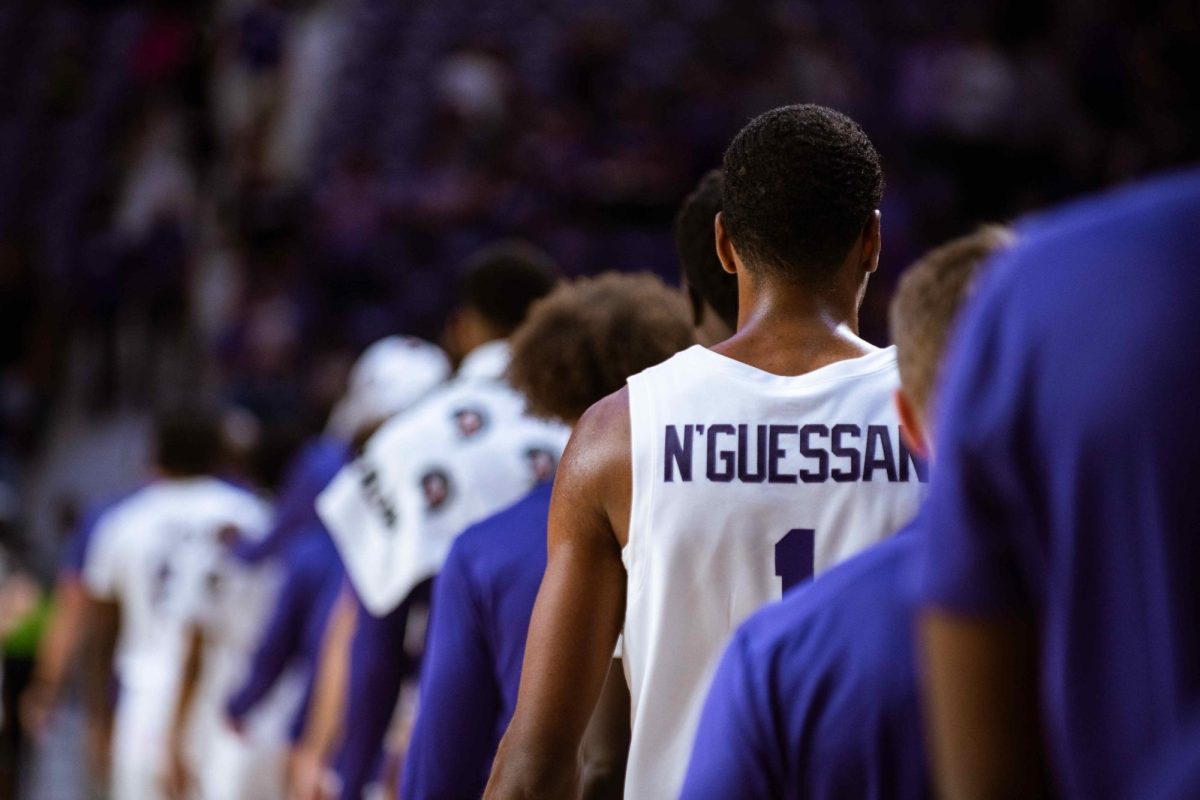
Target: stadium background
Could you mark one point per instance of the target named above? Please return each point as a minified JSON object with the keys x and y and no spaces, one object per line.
{"x":234,"y":198}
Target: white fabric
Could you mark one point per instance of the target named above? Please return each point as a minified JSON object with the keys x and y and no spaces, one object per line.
{"x":701,"y":554}
{"x":389,"y":377}
{"x":158,"y":555}
{"x":462,"y":454}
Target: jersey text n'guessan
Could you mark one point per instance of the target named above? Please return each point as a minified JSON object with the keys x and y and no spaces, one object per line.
{"x":813,"y":453}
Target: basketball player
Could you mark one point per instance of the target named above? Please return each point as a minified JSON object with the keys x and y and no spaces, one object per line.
{"x":711,"y":290}
{"x":578,"y":345}
{"x":721,"y":477}
{"x":1061,"y":562}
{"x":459,"y":456}
{"x":816,"y":696}
{"x":150,"y":573}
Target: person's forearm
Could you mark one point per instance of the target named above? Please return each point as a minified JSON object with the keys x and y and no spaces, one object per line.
{"x":605,"y":748}
{"x":982,"y":707}
{"x":57,"y":647}
{"x":101,"y":649}
{"x":325,"y":716}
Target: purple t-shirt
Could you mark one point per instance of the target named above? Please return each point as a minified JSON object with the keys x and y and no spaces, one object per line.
{"x":379,"y":663}
{"x":1070,"y":461}
{"x":311,"y":580}
{"x":482,"y":602}
{"x":816,"y":695}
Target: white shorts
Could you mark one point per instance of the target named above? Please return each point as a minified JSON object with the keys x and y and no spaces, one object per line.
{"x":139,"y":745}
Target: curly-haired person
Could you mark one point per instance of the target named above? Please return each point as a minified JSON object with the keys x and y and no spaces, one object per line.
{"x":579,"y":344}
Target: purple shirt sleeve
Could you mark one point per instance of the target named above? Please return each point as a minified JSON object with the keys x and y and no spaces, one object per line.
{"x":456,"y":733}
{"x":729,"y":756}
{"x":280,"y":641}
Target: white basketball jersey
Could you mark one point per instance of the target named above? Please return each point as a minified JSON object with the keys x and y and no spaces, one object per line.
{"x":744,"y":483}
{"x":158,"y":554}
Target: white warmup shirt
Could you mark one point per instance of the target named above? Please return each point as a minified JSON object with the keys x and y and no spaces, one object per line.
{"x":744,"y":483}
{"x":466,"y":451}
{"x":158,"y":554}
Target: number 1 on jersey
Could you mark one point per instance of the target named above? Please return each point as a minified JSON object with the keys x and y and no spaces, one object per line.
{"x":794,"y":555}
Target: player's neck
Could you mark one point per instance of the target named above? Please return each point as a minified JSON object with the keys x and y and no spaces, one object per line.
{"x":795,"y":332}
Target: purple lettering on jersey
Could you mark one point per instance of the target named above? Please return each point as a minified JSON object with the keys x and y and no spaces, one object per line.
{"x":759,"y":455}
{"x":726,"y":457}
{"x":679,"y":455}
{"x":778,"y":453}
{"x":879,"y":458}
{"x":842,"y":451}
{"x":743,"y":457}
{"x":821,"y":474}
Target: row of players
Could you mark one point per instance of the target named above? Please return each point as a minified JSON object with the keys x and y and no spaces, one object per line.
{"x":701,"y":481}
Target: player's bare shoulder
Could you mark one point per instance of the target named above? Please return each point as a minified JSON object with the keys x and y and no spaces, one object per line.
{"x":595,"y":476}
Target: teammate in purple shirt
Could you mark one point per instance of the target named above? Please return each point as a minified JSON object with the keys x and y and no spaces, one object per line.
{"x":816,"y":695}
{"x":565,"y":358}
{"x":312,"y":578}
{"x":1061,"y":563}
{"x":379,"y":664}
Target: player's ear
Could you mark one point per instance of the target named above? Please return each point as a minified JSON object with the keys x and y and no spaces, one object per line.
{"x":912,"y":428}
{"x":724,"y":245}
{"x":872,"y":242}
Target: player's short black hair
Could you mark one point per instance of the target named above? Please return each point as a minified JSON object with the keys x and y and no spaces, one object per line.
{"x":801,"y":183}
{"x":502,"y":281}
{"x":707,"y":281}
{"x":187,"y":440}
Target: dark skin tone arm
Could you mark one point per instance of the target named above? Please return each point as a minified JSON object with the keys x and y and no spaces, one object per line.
{"x":56,"y":653}
{"x":605,"y":749}
{"x":981,"y":707}
{"x":578,"y":614}
{"x":103,"y":623}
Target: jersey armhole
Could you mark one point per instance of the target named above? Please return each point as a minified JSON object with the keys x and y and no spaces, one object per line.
{"x":643,"y":457}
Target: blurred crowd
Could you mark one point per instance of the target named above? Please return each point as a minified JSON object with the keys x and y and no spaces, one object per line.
{"x":235,"y":197}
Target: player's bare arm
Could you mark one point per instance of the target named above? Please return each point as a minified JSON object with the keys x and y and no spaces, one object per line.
{"x":103,"y":623}
{"x":605,"y":749}
{"x":982,"y":704}
{"x":579,"y":610}
{"x":308,"y":771}
{"x":56,"y":653}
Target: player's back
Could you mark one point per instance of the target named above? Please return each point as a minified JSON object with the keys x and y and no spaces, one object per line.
{"x":154,"y":554}
{"x":744,"y":484}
